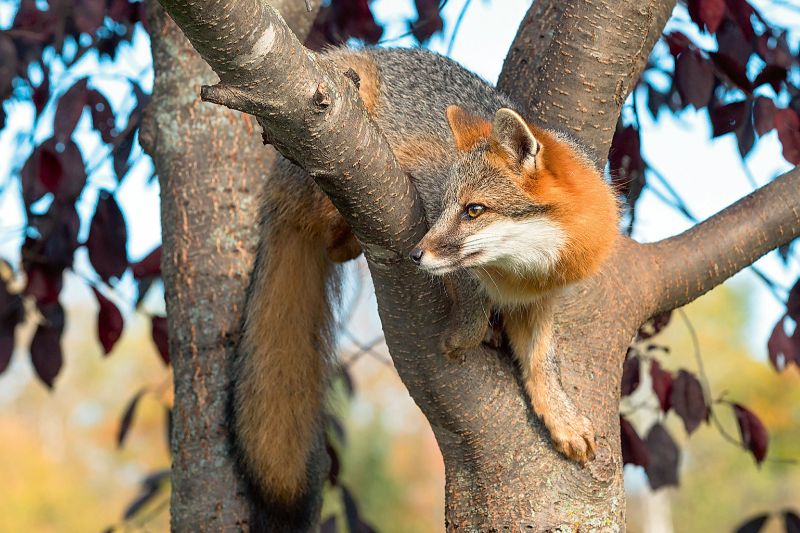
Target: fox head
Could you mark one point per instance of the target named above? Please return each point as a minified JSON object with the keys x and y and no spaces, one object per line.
{"x":519,"y":200}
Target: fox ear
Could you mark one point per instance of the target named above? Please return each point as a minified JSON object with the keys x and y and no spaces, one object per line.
{"x":468,"y":129}
{"x":511,"y":133}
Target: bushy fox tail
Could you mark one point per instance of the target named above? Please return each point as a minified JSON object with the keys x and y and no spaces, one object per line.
{"x":280,"y":373}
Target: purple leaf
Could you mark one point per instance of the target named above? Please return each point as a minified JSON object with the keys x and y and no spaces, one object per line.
{"x":662,"y":384}
{"x":754,"y":435}
{"x":742,"y":12}
{"x":654,"y":326}
{"x":753,"y":525}
{"x":662,"y":468}
{"x":46,"y":344}
{"x":329,"y":525}
{"x":109,"y":322}
{"x":708,"y":13}
{"x":41,"y":93}
{"x":11,"y":314}
{"x":102,"y":115}
{"x":70,"y":107}
{"x":626,"y":163}
{"x":55,"y":167}
{"x":788,"y":125}
{"x":630,"y":374}
{"x":678,"y":42}
{"x":764,"y":115}
{"x":108,"y":238}
{"x":160,"y":337}
{"x":791,"y":521}
{"x":731,"y":69}
{"x":148,"y":267}
{"x":688,"y":401}
{"x":793,"y":302}
{"x":727,"y":118}
{"x":772,"y":74}
{"x":782,"y":350}
{"x":88,"y":15}
{"x":127,"y":418}
{"x":634,"y":450}
{"x":694,"y":78}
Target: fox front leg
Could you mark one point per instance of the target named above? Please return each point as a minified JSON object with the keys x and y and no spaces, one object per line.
{"x":469,"y":316}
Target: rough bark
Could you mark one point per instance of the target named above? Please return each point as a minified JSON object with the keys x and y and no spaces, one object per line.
{"x":501,"y":469}
{"x":211,"y":164}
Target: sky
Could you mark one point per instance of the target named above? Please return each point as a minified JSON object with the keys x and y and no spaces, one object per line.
{"x":706,"y":173}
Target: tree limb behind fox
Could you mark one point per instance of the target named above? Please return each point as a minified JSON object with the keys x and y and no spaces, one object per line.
{"x":520,"y":211}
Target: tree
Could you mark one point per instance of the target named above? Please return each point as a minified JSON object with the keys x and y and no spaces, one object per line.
{"x":501,"y":468}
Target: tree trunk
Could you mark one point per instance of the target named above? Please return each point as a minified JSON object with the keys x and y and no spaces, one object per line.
{"x":501,"y":470}
{"x":211,"y":164}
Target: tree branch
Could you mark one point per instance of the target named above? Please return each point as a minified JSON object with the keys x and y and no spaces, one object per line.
{"x":688,"y":265}
{"x":575,"y":74}
{"x":501,"y":468}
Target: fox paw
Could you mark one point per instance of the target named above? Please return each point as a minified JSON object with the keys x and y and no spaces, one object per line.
{"x":573,"y":436}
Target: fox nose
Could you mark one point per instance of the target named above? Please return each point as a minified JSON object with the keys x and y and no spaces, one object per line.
{"x":416,"y":255}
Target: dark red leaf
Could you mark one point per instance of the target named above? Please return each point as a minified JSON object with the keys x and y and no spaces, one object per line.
{"x":688,"y":401}
{"x":329,"y":525}
{"x":354,"y":522}
{"x":764,"y":114}
{"x":102,"y":115}
{"x":754,"y":434}
{"x":127,"y":418}
{"x":41,"y":93}
{"x":8,"y":66}
{"x":429,"y":20}
{"x":108,"y":238}
{"x":788,"y":125}
{"x":654,"y":326}
{"x":708,"y":13}
{"x":160,"y":337}
{"x":626,"y":164}
{"x":148,"y":267}
{"x":46,"y":344}
{"x":793,"y":302}
{"x":44,"y":284}
{"x":694,"y":78}
{"x":121,"y":154}
{"x":772,"y":74}
{"x":333,"y":473}
{"x":791,"y":521}
{"x":731,"y":70}
{"x":731,"y":43}
{"x":729,"y":117}
{"x":109,"y":322}
{"x":152,"y":485}
{"x":662,"y":384}
{"x":662,"y":467}
{"x":753,"y":525}
{"x":742,"y":12}
{"x":781,"y":349}
{"x":678,"y":42}
{"x":11,"y":314}
{"x":70,"y":107}
{"x":88,"y":15}
{"x":53,"y":167}
{"x":746,"y":134}
{"x":634,"y":450}
{"x":630,"y":375}
{"x":775,"y":50}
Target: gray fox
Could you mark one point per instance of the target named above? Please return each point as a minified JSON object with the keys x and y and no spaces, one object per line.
{"x":523,"y":210}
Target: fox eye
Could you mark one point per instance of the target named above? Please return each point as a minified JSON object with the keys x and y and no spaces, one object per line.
{"x":474,"y":210}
